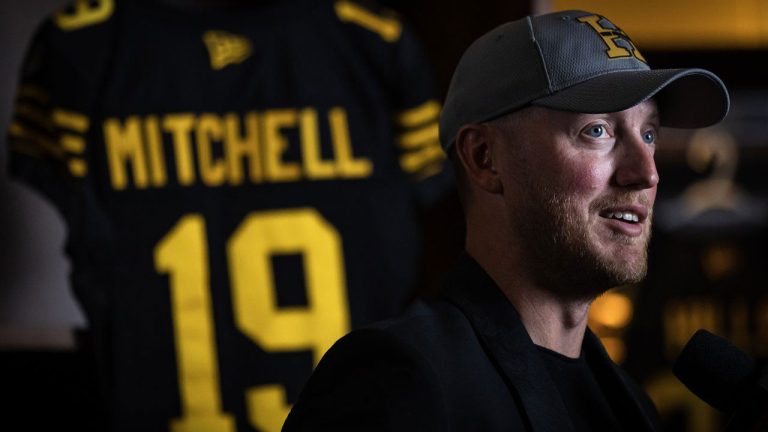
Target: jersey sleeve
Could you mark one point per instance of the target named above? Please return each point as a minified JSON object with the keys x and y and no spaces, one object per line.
{"x":416,"y":122}
{"x":37,"y":155}
{"x":391,"y":46}
{"x":47,"y":135}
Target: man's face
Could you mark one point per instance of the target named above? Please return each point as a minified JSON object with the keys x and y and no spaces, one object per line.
{"x":579,"y":191}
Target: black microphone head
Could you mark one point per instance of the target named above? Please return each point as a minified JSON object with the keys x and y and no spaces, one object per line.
{"x":714,"y":370}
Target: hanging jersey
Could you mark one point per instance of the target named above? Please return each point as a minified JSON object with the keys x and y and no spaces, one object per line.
{"x":239,"y":186}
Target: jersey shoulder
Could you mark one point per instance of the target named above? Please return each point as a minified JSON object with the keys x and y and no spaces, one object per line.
{"x":370,"y":17}
{"x":78,"y":16}
{"x":70,"y":50}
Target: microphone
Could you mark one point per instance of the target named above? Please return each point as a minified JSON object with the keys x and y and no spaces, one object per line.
{"x":726,"y":378}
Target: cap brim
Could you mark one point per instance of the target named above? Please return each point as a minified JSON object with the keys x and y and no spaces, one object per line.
{"x":687,"y":98}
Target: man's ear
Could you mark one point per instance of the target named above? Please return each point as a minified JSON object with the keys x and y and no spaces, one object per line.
{"x":474,"y":148}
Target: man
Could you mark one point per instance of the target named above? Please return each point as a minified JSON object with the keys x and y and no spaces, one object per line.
{"x":551,"y":122}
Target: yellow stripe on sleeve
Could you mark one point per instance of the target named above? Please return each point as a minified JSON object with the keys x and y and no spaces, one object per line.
{"x":70,"y":120}
{"x":77,"y":167}
{"x":36,"y":93}
{"x":72,"y":143}
{"x":420,"y":137}
{"x":16,"y":130}
{"x":388,"y":28}
{"x":419,"y":115}
{"x":26,"y":141}
{"x":414,"y":161}
{"x":30,"y":114}
{"x":429,"y":170}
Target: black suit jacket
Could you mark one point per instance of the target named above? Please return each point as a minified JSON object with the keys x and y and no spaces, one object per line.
{"x":462,"y":363}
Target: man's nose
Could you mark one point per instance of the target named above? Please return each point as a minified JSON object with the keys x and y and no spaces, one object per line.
{"x":636,"y":167}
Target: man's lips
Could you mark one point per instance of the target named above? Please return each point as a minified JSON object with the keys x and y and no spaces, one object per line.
{"x":626,"y":219}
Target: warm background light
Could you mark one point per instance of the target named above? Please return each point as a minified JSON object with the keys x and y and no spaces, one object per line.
{"x":684,"y":24}
{"x":609,"y":315}
{"x":612,"y":309}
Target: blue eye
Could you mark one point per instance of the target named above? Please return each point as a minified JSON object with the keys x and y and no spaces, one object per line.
{"x":596,"y":131}
{"x":649,"y":137}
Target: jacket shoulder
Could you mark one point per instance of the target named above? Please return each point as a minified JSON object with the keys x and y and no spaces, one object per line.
{"x":427,"y":363}
{"x":370,"y":380}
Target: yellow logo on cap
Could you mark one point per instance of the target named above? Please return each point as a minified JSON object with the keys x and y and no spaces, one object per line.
{"x":609,"y":36}
{"x":226,"y":48}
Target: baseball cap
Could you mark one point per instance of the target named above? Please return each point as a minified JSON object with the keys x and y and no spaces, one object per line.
{"x":572,"y":61}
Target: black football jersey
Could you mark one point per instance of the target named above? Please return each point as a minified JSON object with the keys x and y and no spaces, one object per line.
{"x":239,"y":185}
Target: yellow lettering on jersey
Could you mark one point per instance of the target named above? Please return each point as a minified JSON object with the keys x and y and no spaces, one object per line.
{"x":155,"y":151}
{"x":275,"y":168}
{"x":213,"y":171}
{"x":257,"y":312}
{"x":124,"y":146}
{"x":216,"y":150}
{"x":346,"y":163}
{"x":315,"y":168}
{"x":238,"y":146}
{"x":183,"y":255}
{"x":267,"y":406}
{"x":85,"y":13}
{"x":180,"y":126}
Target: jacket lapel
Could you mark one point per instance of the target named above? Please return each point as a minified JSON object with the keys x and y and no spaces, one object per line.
{"x":508,"y":346}
{"x":513,"y":353}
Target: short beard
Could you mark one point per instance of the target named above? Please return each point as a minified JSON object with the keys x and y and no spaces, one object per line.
{"x":564,"y":260}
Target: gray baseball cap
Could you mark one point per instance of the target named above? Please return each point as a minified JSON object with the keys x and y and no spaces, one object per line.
{"x":572,"y":61}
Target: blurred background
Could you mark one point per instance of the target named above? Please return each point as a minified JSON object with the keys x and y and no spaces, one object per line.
{"x":708,"y":254}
